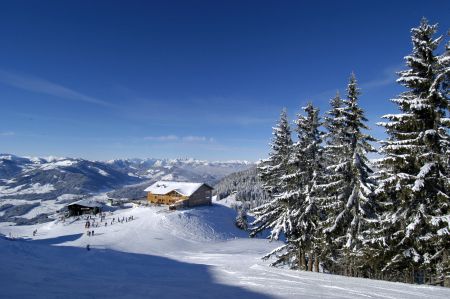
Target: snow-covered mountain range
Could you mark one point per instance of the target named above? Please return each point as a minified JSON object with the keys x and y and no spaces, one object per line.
{"x":28,"y":183}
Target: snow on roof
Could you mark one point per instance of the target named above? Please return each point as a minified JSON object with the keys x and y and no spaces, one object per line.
{"x":164,"y":187}
{"x":87,"y":203}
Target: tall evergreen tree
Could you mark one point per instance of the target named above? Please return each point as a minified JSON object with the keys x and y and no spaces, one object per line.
{"x":276,"y":175}
{"x":355,"y":207}
{"x":271,"y":169}
{"x":335,"y":183}
{"x":441,"y":86}
{"x":308,"y":212}
{"x":415,"y":173}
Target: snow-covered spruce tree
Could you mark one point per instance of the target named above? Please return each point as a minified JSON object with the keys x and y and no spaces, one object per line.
{"x":277,"y":180}
{"x":335,"y":182}
{"x":271,"y":169}
{"x":308,"y":208}
{"x":241,"y":218}
{"x":442,"y":240}
{"x":352,"y":188}
{"x":415,"y":168}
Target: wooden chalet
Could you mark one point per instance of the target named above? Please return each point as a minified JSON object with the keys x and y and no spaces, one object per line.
{"x":184,"y":194}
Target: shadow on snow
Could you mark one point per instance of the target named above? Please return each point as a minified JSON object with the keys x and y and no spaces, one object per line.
{"x":56,"y":240}
{"x":42,"y":271}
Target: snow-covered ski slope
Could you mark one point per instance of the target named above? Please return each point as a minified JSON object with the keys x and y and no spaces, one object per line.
{"x":196,"y":253}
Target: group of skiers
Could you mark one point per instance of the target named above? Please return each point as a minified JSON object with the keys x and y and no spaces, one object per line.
{"x":121,"y":220}
{"x":88,"y":224}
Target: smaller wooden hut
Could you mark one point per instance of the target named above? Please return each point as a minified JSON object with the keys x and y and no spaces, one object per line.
{"x":84,"y":206}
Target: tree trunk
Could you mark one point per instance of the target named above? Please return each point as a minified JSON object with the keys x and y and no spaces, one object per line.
{"x":303,"y":260}
{"x":444,"y":260}
{"x":310,"y":261}
{"x":316,"y":263}
{"x":350,"y":267}
{"x":299,"y":258}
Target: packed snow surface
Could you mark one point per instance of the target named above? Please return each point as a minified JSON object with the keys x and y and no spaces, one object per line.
{"x":195,"y":253}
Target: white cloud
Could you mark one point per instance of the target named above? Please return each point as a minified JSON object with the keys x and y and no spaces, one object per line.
{"x":7,"y":133}
{"x":199,"y":139}
{"x":162,"y":138}
{"x":43,"y":86}
{"x":195,"y":138}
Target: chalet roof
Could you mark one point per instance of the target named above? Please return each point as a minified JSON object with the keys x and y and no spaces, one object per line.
{"x":184,"y":188}
{"x":90,"y":203}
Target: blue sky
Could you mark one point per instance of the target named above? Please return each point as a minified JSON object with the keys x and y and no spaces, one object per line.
{"x":203,"y":79}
